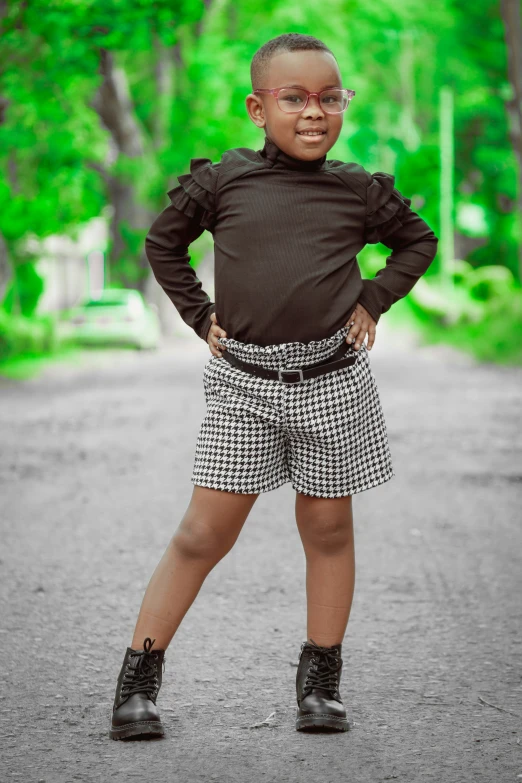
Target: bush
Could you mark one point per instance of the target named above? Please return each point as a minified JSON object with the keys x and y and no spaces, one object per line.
{"x":496,"y":336}
{"x":22,"y":336}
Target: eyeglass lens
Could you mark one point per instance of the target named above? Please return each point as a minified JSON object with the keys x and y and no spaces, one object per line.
{"x":291,"y":99}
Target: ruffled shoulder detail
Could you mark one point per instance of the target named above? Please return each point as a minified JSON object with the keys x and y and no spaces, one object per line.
{"x":238,"y":162}
{"x":386,"y":207}
{"x":351,"y":174}
{"x":196,"y":193}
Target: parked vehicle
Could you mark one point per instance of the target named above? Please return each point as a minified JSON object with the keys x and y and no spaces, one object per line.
{"x":119,"y":315}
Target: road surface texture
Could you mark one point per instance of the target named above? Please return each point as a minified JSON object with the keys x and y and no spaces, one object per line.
{"x":95,"y":477}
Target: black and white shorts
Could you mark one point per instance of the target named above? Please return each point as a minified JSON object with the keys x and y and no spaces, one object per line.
{"x":326,"y":435}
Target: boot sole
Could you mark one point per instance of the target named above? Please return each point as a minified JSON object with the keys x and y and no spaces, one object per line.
{"x":148,"y":728}
{"x":321,"y":722}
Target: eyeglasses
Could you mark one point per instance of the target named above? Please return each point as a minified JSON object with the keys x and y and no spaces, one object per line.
{"x":294,"y":99}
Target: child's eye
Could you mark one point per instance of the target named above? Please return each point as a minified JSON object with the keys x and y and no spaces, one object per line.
{"x":293,"y":98}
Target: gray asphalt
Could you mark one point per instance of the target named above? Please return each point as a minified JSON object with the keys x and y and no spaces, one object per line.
{"x":94,"y":470}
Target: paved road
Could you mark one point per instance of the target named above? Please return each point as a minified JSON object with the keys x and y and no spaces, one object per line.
{"x":94,"y":474}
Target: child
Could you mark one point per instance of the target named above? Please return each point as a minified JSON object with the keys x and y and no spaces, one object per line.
{"x":290,"y":393}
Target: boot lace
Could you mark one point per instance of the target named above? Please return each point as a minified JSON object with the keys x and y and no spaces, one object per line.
{"x":323,"y":670}
{"x":141,"y":678}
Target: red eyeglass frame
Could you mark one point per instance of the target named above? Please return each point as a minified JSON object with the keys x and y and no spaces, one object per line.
{"x":276,"y":91}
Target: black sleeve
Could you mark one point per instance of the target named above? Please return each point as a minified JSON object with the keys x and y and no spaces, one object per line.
{"x":166,"y":247}
{"x":391,"y":221}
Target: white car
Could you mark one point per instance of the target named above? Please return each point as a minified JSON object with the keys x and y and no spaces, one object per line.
{"x":119,"y":315}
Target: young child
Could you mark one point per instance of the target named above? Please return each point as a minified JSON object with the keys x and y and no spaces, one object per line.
{"x":290,"y":392}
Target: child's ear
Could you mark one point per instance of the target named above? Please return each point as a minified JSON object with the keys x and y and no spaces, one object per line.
{"x":255,"y":110}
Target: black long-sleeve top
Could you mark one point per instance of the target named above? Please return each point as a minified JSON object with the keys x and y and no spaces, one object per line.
{"x":286,"y":237}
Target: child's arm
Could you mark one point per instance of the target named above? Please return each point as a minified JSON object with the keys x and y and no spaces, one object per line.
{"x":166,"y":247}
{"x":414,"y":245}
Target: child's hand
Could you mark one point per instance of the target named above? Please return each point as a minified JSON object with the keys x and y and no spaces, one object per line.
{"x":362,"y":323}
{"x":214,"y":333}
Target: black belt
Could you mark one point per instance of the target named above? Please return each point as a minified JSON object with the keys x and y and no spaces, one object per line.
{"x":334,"y":362}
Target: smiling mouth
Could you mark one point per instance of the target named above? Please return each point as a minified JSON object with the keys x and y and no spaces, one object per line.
{"x":311,"y":133}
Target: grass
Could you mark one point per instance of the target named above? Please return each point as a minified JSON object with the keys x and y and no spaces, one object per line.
{"x":29,"y":365}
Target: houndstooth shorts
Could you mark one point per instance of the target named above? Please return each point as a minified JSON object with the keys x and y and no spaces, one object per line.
{"x":327,"y":435}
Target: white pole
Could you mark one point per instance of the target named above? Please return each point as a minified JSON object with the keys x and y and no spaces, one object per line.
{"x":447,"y":240}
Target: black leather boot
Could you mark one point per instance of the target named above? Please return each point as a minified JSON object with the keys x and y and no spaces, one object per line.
{"x":317,"y":685}
{"x":134,"y":713}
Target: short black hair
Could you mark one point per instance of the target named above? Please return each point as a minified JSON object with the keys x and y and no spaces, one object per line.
{"x":288,"y":42}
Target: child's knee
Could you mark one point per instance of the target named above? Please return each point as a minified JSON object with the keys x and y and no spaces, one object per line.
{"x":197,"y":539}
{"x":325,"y":529}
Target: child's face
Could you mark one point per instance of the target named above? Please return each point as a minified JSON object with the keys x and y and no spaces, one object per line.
{"x":313,"y":70}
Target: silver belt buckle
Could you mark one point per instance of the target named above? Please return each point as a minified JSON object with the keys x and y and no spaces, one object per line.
{"x":301,"y":379}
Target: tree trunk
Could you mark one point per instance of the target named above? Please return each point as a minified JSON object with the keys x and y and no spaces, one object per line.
{"x":164,"y":72}
{"x":5,"y":268}
{"x":510,"y":11}
{"x":127,"y":262}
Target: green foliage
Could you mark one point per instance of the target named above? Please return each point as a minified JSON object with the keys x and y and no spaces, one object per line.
{"x":30,"y":336}
{"x":186,"y":66}
{"x":24,"y":290}
{"x":495,"y":337}
{"x":30,"y":285}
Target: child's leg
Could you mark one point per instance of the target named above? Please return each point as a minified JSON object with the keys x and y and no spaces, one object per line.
{"x":326,"y":529}
{"x":207,"y":532}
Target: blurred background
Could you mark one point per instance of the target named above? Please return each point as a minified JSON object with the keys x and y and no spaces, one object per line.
{"x":102,"y":105}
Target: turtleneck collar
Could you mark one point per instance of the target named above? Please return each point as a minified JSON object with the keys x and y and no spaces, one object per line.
{"x":280,"y":159}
